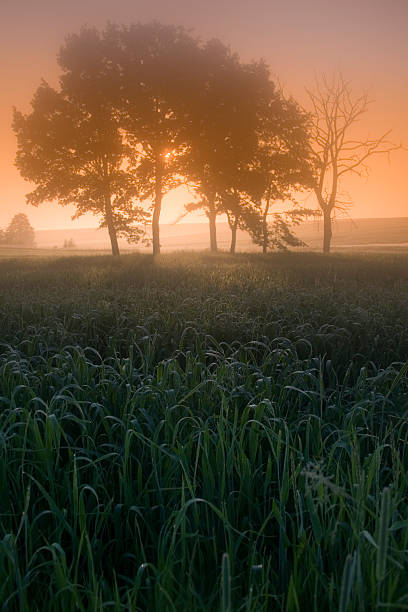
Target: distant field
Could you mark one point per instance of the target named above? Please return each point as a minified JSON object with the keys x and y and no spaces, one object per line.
{"x":347,"y":233}
{"x":48,"y":253}
{"x":204,"y":433}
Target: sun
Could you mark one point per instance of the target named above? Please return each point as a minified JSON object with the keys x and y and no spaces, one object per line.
{"x":168,"y":155}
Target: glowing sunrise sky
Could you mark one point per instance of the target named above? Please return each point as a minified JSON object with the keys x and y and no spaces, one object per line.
{"x":366,"y":39}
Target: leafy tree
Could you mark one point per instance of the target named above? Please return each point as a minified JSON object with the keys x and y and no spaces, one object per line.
{"x":71,"y":145}
{"x":241,"y":185}
{"x":222,"y":132}
{"x":142,"y":107}
{"x":159,"y":65}
{"x":2,"y":236}
{"x":20,"y":232}
{"x":249,"y":147}
{"x":281,"y":166}
{"x":336,"y":151}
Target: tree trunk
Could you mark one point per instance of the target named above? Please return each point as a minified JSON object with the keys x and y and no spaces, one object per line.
{"x":234,"y":227}
{"x":265,"y":233}
{"x":213,"y":232}
{"x":111,"y":226}
{"x":158,"y":196}
{"x":212,"y":217}
{"x":327,"y":230}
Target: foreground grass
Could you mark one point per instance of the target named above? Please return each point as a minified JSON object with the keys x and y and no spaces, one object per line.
{"x":204,"y":433}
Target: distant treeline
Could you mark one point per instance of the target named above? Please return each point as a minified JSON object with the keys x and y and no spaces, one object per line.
{"x":142,"y":109}
{"x":18,"y":233}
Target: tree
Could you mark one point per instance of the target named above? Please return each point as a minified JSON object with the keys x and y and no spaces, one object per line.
{"x":278,"y":165}
{"x":222,"y":133}
{"x":281,"y":165}
{"x":158,"y":65}
{"x":20,"y":232}
{"x":249,"y":147}
{"x":336,"y":152}
{"x":71,"y":145}
{"x":211,"y":126}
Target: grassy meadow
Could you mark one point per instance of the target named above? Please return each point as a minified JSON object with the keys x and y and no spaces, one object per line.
{"x":204,"y":433}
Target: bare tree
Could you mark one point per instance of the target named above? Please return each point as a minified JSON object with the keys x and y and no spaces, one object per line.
{"x":336,"y":152}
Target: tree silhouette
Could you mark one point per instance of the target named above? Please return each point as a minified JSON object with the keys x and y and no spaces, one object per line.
{"x":140,"y":110}
{"x":71,"y":146}
{"x":249,"y":147}
{"x":281,"y":165}
{"x":159,"y":65}
{"x":335,"y":150}
{"x":20,"y":232}
{"x":222,"y":133}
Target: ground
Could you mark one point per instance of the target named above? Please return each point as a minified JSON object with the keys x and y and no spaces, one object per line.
{"x":203,"y":432}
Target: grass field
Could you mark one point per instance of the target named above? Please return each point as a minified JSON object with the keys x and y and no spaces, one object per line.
{"x":204,"y":433}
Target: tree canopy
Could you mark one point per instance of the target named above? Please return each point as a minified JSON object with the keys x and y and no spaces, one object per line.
{"x":141,"y":109}
{"x":159,"y":69}
{"x":280,"y":167}
{"x":249,"y":144}
{"x":222,"y":129}
{"x":72,"y":147}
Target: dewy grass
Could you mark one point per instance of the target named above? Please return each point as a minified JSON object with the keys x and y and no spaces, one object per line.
{"x":204,"y":433}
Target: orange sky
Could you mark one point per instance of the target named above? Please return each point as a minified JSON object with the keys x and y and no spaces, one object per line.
{"x":365,"y":39}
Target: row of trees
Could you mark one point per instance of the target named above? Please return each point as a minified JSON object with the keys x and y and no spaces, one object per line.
{"x":143,"y":109}
{"x":19,"y":232}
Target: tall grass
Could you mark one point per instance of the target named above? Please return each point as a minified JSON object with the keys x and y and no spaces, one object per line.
{"x":204,"y":433}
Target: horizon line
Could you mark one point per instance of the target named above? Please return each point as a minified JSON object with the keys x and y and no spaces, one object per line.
{"x":348,"y":218}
